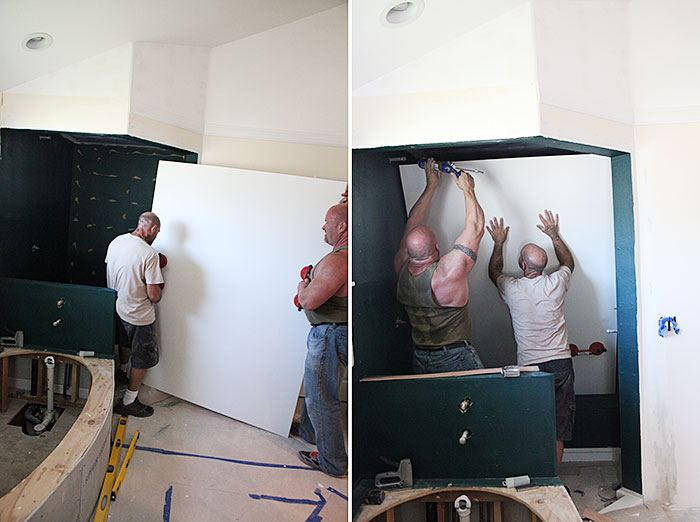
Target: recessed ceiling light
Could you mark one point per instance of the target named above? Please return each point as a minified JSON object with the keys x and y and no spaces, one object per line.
{"x":37,"y":41}
{"x":401,"y":13}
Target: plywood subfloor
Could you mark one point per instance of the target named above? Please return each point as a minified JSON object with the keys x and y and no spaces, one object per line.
{"x":21,"y":453}
{"x":243,"y":480}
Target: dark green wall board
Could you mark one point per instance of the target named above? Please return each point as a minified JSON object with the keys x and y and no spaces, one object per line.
{"x":87,"y":315}
{"x":383,"y":343}
{"x":378,"y":218}
{"x":488,"y":149}
{"x":597,"y":423}
{"x":34,"y":200}
{"x":110,"y":187}
{"x":511,"y":420}
{"x":627,"y":349}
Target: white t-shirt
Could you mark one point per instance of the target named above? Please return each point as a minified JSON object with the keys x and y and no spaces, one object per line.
{"x":537,"y":310}
{"x":131,"y":264}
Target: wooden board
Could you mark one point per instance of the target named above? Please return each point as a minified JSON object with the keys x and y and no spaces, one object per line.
{"x":230,"y":338}
{"x":74,"y":470}
{"x":483,"y":371}
{"x":549,"y":503}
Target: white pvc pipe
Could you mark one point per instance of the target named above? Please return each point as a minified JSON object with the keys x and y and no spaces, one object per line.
{"x":48,"y":416}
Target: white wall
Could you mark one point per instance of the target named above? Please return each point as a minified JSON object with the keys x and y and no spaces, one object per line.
{"x":169,"y":84}
{"x":583,"y":57}
{"x":285,"y":84}
{"x":89,"y":96}
{"x":579,"y":189}
{"x":481,"y":85}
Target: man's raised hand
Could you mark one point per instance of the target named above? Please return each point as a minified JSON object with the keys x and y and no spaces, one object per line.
{"x":498,"y":232}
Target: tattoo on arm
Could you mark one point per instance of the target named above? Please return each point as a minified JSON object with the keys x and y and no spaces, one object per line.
{"x":466,"y":250}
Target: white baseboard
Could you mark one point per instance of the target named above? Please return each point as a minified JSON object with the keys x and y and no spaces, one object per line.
{"x":591,"y":455}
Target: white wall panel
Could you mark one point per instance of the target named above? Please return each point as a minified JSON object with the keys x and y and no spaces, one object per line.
{"x":231,"y":339}
{"x":579,"y":189}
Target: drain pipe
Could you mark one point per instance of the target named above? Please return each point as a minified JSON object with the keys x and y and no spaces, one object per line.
{"x":48,"y":416}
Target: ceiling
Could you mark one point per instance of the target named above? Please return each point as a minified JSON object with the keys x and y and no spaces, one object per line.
{"x":378,"y":48}
{"x":85,"y":28}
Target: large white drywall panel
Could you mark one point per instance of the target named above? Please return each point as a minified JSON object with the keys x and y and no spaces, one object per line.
{"x":231,"y":339}
{"x":579,"y":189}
{"x":286,"y":84}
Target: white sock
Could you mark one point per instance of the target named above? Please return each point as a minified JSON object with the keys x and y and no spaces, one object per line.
{"x":129,"y":397}
{"x":124,"y":367}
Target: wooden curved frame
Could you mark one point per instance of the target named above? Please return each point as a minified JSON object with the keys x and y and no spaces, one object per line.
{"x":549,"y":503}
{"x":75,"y":468}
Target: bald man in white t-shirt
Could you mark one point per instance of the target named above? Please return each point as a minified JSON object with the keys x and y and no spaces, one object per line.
{"x":536,"y":304}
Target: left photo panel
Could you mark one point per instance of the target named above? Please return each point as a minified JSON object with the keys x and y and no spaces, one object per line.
{"x":174,"y":224}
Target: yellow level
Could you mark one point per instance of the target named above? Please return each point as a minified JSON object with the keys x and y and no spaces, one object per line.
{"x":103,"y":503}
{"x":125,"y":464}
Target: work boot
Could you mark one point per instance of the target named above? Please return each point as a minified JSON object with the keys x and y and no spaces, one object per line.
{"x":135,"y":409}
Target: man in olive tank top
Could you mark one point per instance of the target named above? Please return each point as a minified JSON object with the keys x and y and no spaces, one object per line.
{"x":324,"y":298}
{"x":434,"y":289}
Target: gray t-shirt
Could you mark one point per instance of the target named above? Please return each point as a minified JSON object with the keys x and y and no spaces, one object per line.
{"x":537,"y":310}
{"x":131,"y":264}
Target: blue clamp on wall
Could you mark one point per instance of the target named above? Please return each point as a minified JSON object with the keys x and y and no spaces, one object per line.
{"x":665,"y":324}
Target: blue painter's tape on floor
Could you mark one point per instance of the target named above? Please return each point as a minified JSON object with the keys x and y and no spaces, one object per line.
{"x":315,"y":514}
{"x":283,"y":499}
{"x":166,"y":506}
{"x":337,"y":493}
{"x":234,"y":461}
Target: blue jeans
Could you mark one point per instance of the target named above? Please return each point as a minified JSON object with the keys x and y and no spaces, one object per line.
{"x":446,"y":360}
{"x":321,"y":416}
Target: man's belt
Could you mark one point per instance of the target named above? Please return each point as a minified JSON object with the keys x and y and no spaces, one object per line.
{"x":451,"y":346}
{"x":334,"y":324}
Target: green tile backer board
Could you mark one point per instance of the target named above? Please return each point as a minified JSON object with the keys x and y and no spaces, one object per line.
{"x":511,"y":421}
{"x":86,"y":316}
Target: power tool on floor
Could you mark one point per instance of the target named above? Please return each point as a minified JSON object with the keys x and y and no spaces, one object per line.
{"x":401,"y":478}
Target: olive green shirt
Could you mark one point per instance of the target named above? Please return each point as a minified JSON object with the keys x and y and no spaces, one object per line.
{"x":335,"y":310}
{"x":432,"y":325}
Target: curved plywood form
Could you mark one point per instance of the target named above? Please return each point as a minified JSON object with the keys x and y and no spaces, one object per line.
{"x":66,"y":485}
{"x":549,"y":503}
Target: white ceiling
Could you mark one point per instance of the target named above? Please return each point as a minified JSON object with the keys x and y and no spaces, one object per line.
{"x":85,"y":28}
{"x":378,"y":49}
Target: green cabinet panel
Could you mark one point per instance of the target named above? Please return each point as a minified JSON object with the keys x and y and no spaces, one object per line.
{"x":84,"y":321}
{"x":511,"y":421}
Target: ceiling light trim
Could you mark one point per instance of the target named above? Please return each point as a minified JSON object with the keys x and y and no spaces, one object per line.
{"x":37,"y":42}
{"x":397,"y":13}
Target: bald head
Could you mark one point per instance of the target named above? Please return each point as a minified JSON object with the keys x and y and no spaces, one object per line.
{"x":339,"y":212}
{"x":533,"y":259}
{"x":148,"y":219}
{"x":421,"y":243}
{"x":148,"y":227}
{"x":336,"y":225}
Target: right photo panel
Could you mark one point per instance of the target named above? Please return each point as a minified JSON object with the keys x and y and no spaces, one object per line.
{"x":515,"y":337}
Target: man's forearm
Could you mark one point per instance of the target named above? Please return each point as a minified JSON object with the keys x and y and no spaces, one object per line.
{"x":419,"y":212}
{"x":562,"y":252}
{"x":496,"y":262}
{"x":473,"y":221}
